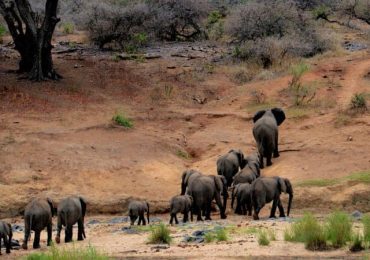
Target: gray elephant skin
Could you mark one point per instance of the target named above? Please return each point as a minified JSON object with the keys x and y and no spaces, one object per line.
{"x":181,"y":204}
{"x":38,"y":215}
{"x":71,"y":210}
{"x":204,"y":189}
{"x":137,"y":209}
{"x":187,"y":178}
{"x":266,"y":133}
{"x":250,"y":172}
{"x":265,"y":190}
{"x":229,"y":164}
{"x":242,"y":193}
{"x":6,"y":235}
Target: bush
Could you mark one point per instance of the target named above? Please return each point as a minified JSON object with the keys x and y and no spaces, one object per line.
{"x":68,"y":28}
{"x":358,"y":101}
{"x":263,"y":239}
{"x":366,"y":223}
{"x":338,"y":229}
{"x":174,"y":20}
{"x":2,"y":32}
{"x":88,"y":253}
{"x":309,"y":231}
{"x":356,"y":243}
{"x":219,"y":234}
{"x":122,"y":120}
{"x":160,"y":235}
{"x":302,"y":94}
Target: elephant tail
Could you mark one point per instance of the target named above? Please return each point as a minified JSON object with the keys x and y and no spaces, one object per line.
{"x":147,"y":213}
{"x":290,"y":203}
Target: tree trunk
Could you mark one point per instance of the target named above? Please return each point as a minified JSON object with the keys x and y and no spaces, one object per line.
{"x":33,"y":44}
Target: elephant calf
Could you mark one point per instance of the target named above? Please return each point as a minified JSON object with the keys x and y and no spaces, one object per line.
{"x":71,"y":210}
{"x":137,"y":209}
{"x":250,"y":172}
{"x":242,"y":193}
{"x":229,"y":164}
{"x":181,"y":204}
{"x":6,"y":235}
{"x":38,"y":215}
{"x":265,"y":190}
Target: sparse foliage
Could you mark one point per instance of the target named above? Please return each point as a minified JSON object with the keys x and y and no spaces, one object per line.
{"x":366,"y":223}
{"x":122,"y":120}
{"x":258,"y":96}
{"x":358,"y":102}
{"x":160,"y":235}
{"x":302,"y":93}
{"x":263,"y":239}
{"x":356,"y":243}
{"x":338,"y":229}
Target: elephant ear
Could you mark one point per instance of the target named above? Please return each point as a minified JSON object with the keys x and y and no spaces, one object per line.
{"x":241,"y":159}
{"x":258,"y":115}
{"x":52,"y":206}
{"x":83,"y":206}
{"x":279,"y":115}
{"x":289,"y":187}
{"x":282,"y":185}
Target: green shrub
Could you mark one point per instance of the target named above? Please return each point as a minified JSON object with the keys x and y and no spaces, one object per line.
{"x":209,"y":237}
{"x":68,"y":28}
{"x":309,"y":231}
{"x":356,"y":243}
{"x":55,"y":253}
{"x":122,"y":120}
{"x":160,"y":235}
{"x":263,"y":239}
{"x":338,"y":229}
{"x":221,"y":234}
{"x":358,"y":101}
{"x":366,"y":223}
{"x":214,"y":17}
{"x":2,"y":32}
{"x":302,"y":94}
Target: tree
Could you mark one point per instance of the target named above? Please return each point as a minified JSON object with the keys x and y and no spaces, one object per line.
{"x":32,"y":36}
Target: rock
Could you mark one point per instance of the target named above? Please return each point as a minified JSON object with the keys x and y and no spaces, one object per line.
{"x":349,"y":138}
{"x":93,"y":222}
{"x":118,"y":220}
{"x":357,"y":215}
{"x":17,"y":228}
{"x":155,"y":220}
{"x":160,"y":247}
{"x":130,"y":231}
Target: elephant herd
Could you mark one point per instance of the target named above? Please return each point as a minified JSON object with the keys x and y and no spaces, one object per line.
{"x":234,"y":171}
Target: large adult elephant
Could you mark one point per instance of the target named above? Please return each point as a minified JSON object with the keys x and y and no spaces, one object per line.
{"x":187,"y":178}
{"x":265,"y":190}
{"x":229,"y":164}
{"x":38,"y":215}
{"x":266,"y":133}
{"x":250,"y":172}
{"x":71,"y":210}
{"x":204,"y":190}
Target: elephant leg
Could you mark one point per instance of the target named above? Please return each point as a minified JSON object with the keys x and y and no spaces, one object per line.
{"x":257,"y":209}
{"x":249,"y":207}
{"x":6,"y":243}
{"x":143,"y":220}
{"x":80,"y":225}
{"x":171,"y":219}
{"x":199,"y":213}
{"x":59,"y":229}
{"x":186,"y":216}
{"x":268,"y":159}
{"x":220,"y":206}
{"x":281,"y":209}
{"x":36,"y":241}
{"x":176,"y":220}
{"x":273,"y":209}
{"x":276,"y":151}
{"x":49,"y":230}
{"x":27,"y":233}
{"x":237,"y":209}
{"x":261,"y":160}
{"x":68,"y":234}
{"x":9,"y":243}
{"x":139,"y":222}
{"x":208,"y":212}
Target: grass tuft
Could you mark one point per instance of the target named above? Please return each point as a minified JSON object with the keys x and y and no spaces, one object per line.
{"x":122,"y":120}
{"x":89,"y":253}
{"x":160,"y":235}
{"x":358,"y":101}
{"x":219,"y":234}
{"x":366,"y":223}
{"x":356,"y":243}
{"x":317,"y":183}
{"x":263,"y":239}
{"x":309,"y":231}
{"x":338,"y":229}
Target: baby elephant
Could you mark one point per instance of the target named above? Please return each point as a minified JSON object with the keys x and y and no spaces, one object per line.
{"x":6,"y":235}
{"x":70,"y":211}
{"x":181,"y":204}
{"x":137,"y":209}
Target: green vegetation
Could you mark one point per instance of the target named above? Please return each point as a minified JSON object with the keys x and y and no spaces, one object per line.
{"x":2,"y":30}
{"x":309,"y":231}
{"x":263,"y":239}
{"x":160,"y":235}
{"x":302,"y":94}
{"x":183,"y":154}
{"x":366,"y":223}
{"x":55,"y":253}
{"x":358,"y":101}
{"x":122,"y":120}
{"x":68,"y":28}
{"x":338,"y":229}
{"x":219,"y":234}
{"x":356,"y":243}
{"x":360,"y":177}
{"x":298,"y":113}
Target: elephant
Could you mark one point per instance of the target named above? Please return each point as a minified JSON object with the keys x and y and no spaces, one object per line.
{"x":71,"y":210}
{"x":6,"y":235}
{"x":38,"y":215}
{"x":242,"y":193}
{"x":229,"y":164}
{"x":265,"y":190}
{"x":204,"y":190}
{"x":266,"y":133}
{"x":181,"y":204}
{"x":187,"y":178}
{"x":250,"y":172}
{"x":137,"y":209}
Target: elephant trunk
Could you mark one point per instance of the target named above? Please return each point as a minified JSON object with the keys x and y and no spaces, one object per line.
{"x":290,"y":203}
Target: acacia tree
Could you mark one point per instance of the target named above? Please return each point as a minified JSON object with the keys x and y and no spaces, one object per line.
{"x":32,"y":36}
